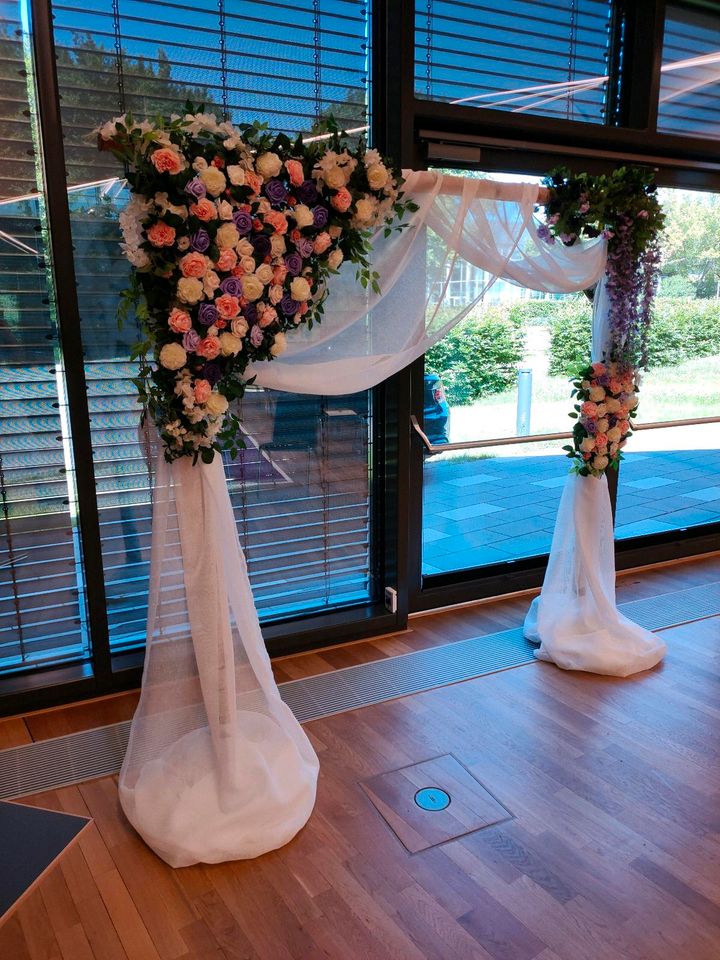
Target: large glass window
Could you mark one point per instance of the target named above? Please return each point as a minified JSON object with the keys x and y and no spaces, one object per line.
{"x":690,"y":77}
{"x":548,"y":58}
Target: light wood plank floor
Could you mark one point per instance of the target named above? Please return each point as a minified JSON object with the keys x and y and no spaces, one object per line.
{"x":613,"y":852}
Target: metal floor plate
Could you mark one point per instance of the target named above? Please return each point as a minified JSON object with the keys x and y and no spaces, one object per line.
{"x":35,"y":767}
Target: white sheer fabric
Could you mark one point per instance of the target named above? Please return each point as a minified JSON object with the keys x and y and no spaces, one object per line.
{"x":575,"y":619}
{"x":217,"y":767}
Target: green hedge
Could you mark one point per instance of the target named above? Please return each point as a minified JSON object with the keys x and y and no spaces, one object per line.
{"x":479,"y":356}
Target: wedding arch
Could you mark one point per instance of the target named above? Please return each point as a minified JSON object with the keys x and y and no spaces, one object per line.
{"x":238,"y":240}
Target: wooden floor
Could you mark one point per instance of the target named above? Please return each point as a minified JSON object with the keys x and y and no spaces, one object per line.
{"x":613,"y":852}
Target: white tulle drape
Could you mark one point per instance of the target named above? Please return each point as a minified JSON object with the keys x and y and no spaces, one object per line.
{"x":217,"y":767}
{"x":575,"y":619}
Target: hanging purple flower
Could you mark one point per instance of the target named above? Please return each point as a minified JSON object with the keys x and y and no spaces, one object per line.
{"x":212,"y":373}
{"x":289,"y":306}
{"x":307,"y":193}
{"x":207,"y":314}
{"x":232,"y":286}
{"x":261,"y":245}
{"x":275,"y":191}
{"x":243,"y":222}
{"x":196,"y":188}
{"x":294,"y":263}
{"x":200,"y":241}
{"x":320,"y":217}
{"x":256,"y":335}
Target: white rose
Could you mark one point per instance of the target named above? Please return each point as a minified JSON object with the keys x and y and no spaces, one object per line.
{"x":227,"y":236}
{"x":214,"y":180}
{"x":224,"y":209}
{"x":597,"y":394}
{"x":279,"y":345}
{"x":216,"y":404}
{"x":236,"y":174}
{"x":364,"y":210}
{"x":602,"y":425}
{"x":377,"y":176}
{"x":303,"y":215}
{"x":264,"y":273}
{"x":230,"y":344}
{"x":276,"y":293}
{"x":599,"y":463}
{"x":244,"y":248}
{"x":248,"y":264}
{"x":190,"y":289}
{"x":335,"y":259}
{"x":587,"y":444}
{"x":239,"y":326}
{"x":252,"y":287}
{"x":268,"y":165}
{"x":335,"y":177}
{"x":277,"y":245}
{"x":300,"y":289}
{"x":199,"y":164}
{"x":173,"y":356}
{"x":614,"y":435}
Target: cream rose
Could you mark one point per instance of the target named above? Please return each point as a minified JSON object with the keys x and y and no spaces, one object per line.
{"x":230,"y":344}
{"x":216,"y":404}
{"x":236,"y":174}
{"x":276,"y":293}
{"x":597,"y":394}
{"x":377,"y":176}
{"x":279,"y":345}
{"x":224,"y":209}
{"x":602,"y":425}
{"x":300,"y":289}
{"x":264,"y":273}
{"x":252,"y":286}
{"x":364,"y":210}
{"x":614,"y":435}
{"x":183,"y":243}
{"x":244,"y":248}
{"x":335,"y":177}
{"x":227,"y":236}
{"x":239,"y":326}
{"x":277,"y":245}
{"x":199,"y":164}
{"x":268,"y":165}
{"x":214,"y":180}
{"x":587,"y":444}
{"x":303,"y":215}
{"x":335,"y":258}
{"x":190,"y":289}
{"x":173,"y":356}
{"x":599,"y":463}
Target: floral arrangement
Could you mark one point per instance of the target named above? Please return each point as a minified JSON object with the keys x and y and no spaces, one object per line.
{"x":623,"y":208}
{"x":606,"y":395}
{"x":233,"y":234}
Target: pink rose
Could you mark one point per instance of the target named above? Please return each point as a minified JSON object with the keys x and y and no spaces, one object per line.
{"x":598,"y":369}
{"x":615,"y":386}
{"x":589,"y":409}
{"x":227,"y":260}
{"x":342,"y":200}
{"x":202,"y":391}
{"x":322,"y":242}
{"x":208,"y":348}
{"x":227,"y":306}
{"x":296,"y":172}
{"x":161,"y":234}
{"x":601,"y":440}
{"x":179,"y":321}
{"x":204,"y":209}
{"x":268,"y":316}
{"x":166,"y":161}
{"x":193,"y":265}
{"x":277,"y":221}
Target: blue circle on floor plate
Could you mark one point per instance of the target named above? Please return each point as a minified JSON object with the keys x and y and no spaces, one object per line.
{"x":432,"y":798}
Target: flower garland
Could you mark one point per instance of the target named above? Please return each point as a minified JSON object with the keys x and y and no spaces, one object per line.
{"x":232,"y":234}
{"x":623,"y":208}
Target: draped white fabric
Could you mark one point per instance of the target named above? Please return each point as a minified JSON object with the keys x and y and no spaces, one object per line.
{"x":217,"y":767}
{"x":575,"y":619}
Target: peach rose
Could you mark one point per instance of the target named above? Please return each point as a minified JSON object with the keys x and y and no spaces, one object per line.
{"x":166,"y":161}
{"x":208,"y":348}
{"x":295,"y":171}
{"x":202,"y":391}
{"x":598,"y":369}
{"x":342,"y":200}
{"x":279,"y":273}
{"x":601,"y":440}
{"x":322,"y":242}
{"x":193,"y":265}
{"x":624,"y":427}
{"x":204,"y":209}
{"x":589,"y":409}
{"x":227,"y":260}
{"x":253,"y":181}
{"x":277,"y":221}
{"x":179,"y":321}
{"x":227,"y":306}
{"x":268,"y":316}
{"x":615,"y":386}
{"x":161,"y":234}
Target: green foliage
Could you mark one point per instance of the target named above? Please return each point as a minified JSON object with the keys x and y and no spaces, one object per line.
{"x":480,"y":355}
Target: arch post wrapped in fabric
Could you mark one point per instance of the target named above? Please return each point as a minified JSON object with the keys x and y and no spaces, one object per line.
{"x":217,"y":767}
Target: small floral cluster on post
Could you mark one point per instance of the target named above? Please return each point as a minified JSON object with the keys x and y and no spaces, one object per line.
{"x":606,"y":402}
{"x":233,"y":235}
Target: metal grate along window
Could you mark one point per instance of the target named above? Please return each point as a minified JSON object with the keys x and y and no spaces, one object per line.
{"x":690,"y":77}
{"x":42,"y":612}
{"x":301,"y":490}
{"x":546,"y":57}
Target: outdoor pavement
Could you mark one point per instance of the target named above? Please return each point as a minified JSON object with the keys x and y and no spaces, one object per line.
{"x":496,"y":509}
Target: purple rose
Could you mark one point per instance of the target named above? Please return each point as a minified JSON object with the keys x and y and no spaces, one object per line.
{"x":543,"y":232}
{"x":294,"y":263}
{"x":207,"y":314}
{"x":232,"y":286}
{"x":200,"y":241}
{"x":212,"y":373}
{"x":196,"y":188}
{"x":256,"y":336}
{"x":261,"y":244}
{"x":289,"y":306}
{"x":304,"y":247}
{"x":191,"y":341}
{"x":275,"y":191}
{"x":249,"y":311}
{"x":243,"y":222}
{"x":320,"y":217}
{"x":307,"y":193}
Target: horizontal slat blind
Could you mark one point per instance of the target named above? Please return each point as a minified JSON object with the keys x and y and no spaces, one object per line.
{"x":546,"y":57}
{"x":690,"y":79}
{"x":303,"y":509}
{"x":41,"y":610}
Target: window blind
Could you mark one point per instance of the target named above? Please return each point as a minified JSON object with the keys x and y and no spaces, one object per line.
{"x":546,"y":57}
{"x":690,"y":77}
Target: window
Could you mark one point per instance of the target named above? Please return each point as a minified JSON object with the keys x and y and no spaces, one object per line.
{"x":690,"y":75}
